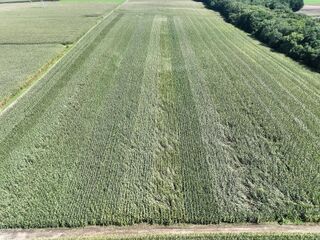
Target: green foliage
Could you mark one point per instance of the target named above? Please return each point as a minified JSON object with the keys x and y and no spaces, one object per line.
{"x":312,"y":1}
{"x":295,"y":5}
{"x":295,"y":35}
{"x":55,"y":23}
{"x":33,"y":37}
{"x":165,"y":115}
{"x":20,"y":62}
{"x":10,"y":1}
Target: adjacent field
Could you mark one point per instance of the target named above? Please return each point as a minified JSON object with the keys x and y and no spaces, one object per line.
{"x":91,"y":1}
{"x":311,"y":1}
{"x":20,"y":62}
{"x":53,"y":24}
{"x":33,"y":37}
{"x":65,"y":1}
{"x":163,"y":114}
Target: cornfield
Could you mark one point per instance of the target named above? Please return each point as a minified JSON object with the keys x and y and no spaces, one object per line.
{"x":164,"y":114}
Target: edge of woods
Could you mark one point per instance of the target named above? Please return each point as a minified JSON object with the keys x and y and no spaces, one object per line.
{"x":276,"y":25}
{"x":10,"y":101}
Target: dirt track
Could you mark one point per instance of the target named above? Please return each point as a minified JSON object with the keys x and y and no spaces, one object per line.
{"x":311,"y":6}
{"x":143,"y":229}
{"x":311,"y":10}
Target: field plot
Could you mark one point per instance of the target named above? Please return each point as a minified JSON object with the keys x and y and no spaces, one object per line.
{"x":163,"y":114}
{"x":308,"y":2}
{"x":34,"y":36}
{"x":21,"y":61}
{"x":13,"y":1}
{"x":55,"y":23}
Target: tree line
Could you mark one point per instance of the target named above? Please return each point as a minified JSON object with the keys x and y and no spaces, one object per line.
{"x":295,"y":5}
{"x":275,"y":23}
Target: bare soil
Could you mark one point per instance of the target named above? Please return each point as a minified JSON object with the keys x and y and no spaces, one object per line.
{"x":144,"y":229}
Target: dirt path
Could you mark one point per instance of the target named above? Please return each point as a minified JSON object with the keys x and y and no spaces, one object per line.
{"x":143,"y":229}
{"x":311,"y":10}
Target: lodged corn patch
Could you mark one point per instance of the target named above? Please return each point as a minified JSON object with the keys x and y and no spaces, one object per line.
{"x":163,"y":114}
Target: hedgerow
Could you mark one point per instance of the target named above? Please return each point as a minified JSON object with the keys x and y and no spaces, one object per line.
{"x":297,"y":36}
{"x":295,"y":5}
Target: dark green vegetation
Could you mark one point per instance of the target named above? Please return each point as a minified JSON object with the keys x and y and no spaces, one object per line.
{"x":296,"y":35}
{"x":213,"y":237}
{"x":164,"y":113}
{"x":295,"y":5}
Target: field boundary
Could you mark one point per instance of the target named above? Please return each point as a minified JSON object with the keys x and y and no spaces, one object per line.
{"x":12,"y":100}
{"x":140,"y":230}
